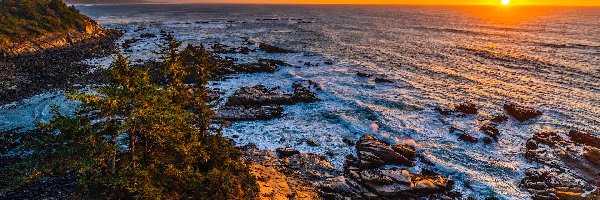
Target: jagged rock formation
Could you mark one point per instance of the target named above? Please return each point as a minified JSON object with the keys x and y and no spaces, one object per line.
{"x":262,"y":103}
{"x":566,"y":169}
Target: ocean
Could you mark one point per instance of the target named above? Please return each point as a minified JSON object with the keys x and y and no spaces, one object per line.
{"x":543,"y":57}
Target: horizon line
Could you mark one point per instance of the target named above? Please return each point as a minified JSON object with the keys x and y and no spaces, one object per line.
{"x":366,"y":4}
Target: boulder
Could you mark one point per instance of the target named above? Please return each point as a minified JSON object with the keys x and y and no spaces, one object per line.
{"x":286,"y":152}
{"x":467,"y":138}
{"x":521,"y":113}
{"x":584,"y":138}
{"x":363,"y":74}
{"x":383,"y":80}
{"x":373,"y":152}
{"x":258,"y":95}
{"x":491,"y":129}
{"x":466,"y":108}
{"x":249,"y":113}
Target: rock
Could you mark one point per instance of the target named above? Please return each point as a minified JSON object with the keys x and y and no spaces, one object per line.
{"x":349,"y":142}
{"x":258,"y":95}
{"x":466,"y":108}
{"x":341,"y":187}
{"x":564,"y":170}
{"x":272,"y":49}
{"x":303,"y":94}
{"x":499,"y":118}
{"x":521,"y":113}
{"x":148,"y":35}
{"x":444,"y":111}
{"x":363,"y":74}
{"x":468,"y":138}
{"x":383,"y":80}
{"x":286,"y":152}
{"x":487,"y":140}
{"x":249,"y":113}
{"x":584,"y":138}
{"x":491,"y":130}
{"x":373,"y":152}
{"x":312,"y":143}
{"x":328,"y":62}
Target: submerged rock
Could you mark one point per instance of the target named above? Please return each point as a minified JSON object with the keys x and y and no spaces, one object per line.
{"x":521,"y":113}
{"x":272,"y":49}
{"x":363,"y":74}
{"x":383,"y":80}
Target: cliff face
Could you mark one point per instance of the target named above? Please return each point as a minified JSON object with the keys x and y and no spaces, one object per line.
{"x":28,"y":26}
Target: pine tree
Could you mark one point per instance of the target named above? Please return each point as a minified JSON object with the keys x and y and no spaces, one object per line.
{"x":139,"y":138}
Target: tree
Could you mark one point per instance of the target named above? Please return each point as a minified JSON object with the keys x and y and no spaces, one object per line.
{"x":146,"y":135}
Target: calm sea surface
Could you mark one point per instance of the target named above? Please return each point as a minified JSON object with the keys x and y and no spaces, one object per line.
{"x":547,"y":58}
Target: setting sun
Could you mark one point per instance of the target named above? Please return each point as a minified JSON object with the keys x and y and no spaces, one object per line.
{"x":505,"y":2}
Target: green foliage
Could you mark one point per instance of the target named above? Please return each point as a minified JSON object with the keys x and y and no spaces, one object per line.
{"x":145,"y":139}
{"x":21,"y":20}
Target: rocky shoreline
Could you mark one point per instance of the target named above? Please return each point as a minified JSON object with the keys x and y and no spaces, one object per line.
{"x":58,"y":67}
{"x":565,"y":169}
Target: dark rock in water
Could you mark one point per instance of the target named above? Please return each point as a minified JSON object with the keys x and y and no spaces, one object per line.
{"x":487,"y":140}
{"x":312,"y":143}
{"x":258,"y":95}
{"x":383,"y":80}
{"x":328,"y":62}
{"x":444,"y":111}
{"x":373,"y":152}
{"x":466,"y":108}
{"x":224,"y":49}
{"x":584,"y":138}
{"x":127,"y":43}
{"x":261,"y":95}
{"x":363,"y":74}
{"x":148,"y":35}
{"x":272,"y":49}
{"x":249,"y":113}
{"x":499,"y":118}
{"x":521,"y":113}
{"x":553,"y":184}
{"x":349,"y":142}
{"x":491,"y":130}
{"x":286,"y":152}
{"x":303,"y":94}
{"x":468,"y":138}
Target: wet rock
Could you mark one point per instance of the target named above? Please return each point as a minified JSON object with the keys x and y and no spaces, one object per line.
{"x":304,"y":94}
{"x":487,"y":140}
{"x":383,"y":80}
{"x":258,"y":95}
{"x":491,"y":129}
{"x":272,"y":49}
{"x":373,"y":152}
{"x":148,"y":35}
{"x":584,"y":138}
{"x":444,"y":111}
{"x":286,"y":152}
{"x":128,"y":42}
{"x":328,"y":62}
{"x":249,"y":113}
{"x":468,"y":138}
{"x":466,"y":108}
{"x":563,"y":169}
{"x":499,"y":118}
{"x":312,"y":143}
{"x":363,"y":74}
{"x":349,"y":142}
{"x":521,"y":113}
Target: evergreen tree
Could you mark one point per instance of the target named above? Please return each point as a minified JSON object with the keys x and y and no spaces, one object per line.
{"x":139,"y":138}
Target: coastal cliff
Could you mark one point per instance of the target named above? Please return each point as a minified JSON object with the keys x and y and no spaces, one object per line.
{"x":28,"y":26}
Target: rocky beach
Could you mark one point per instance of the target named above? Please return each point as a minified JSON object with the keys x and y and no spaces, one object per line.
{"x":324,"y":141}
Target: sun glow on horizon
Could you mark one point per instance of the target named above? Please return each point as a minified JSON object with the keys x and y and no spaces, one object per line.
{"x":505,"y":2}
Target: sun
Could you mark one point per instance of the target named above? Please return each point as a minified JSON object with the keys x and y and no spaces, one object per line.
{"x":505,"y":2}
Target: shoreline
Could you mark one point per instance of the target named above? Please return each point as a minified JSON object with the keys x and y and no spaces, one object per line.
{"x":337,"y":180}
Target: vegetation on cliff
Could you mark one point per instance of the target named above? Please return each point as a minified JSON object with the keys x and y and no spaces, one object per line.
{"x":22,"y":20}
{"x":146,"y":134}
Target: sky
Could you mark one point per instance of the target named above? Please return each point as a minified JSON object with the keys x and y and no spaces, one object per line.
{"x":406,"y":2}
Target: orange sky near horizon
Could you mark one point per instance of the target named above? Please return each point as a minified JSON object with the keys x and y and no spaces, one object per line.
{"x":405,"y":2}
